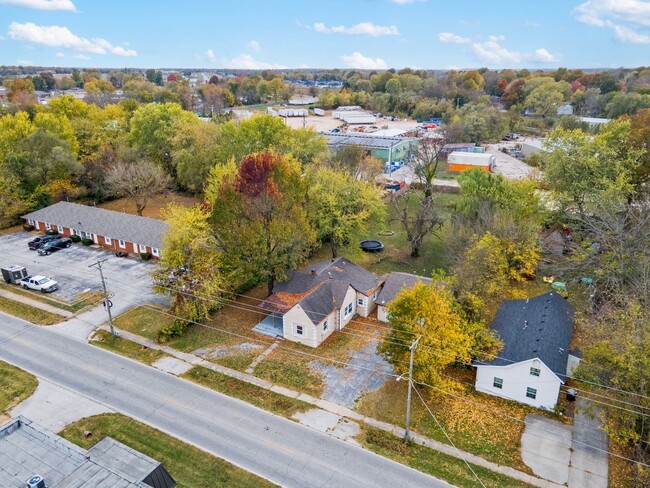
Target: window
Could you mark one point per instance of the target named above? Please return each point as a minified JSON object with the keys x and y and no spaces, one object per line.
{"x":59,"y":228}
{"x":122,"y":243}
{"x":535,"y":371}
{"x":374,"y":295}
{"x":497,"y":382}
{"x":326,"y":324}
{"x":48,"y":226}
{"x":299,"y":329}
{"x":30,"y":222}
{"x":155,"y":251}
{"x":531,"y":393}
{"x":348,"y":310}
{"x":361,"y":302}
{"x":143,"y":248}
{"x":107,"y":240}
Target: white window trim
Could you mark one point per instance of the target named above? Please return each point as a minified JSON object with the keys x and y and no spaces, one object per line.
{"x":494,"y":382}
{"x":142,"y":247}
{"x":534,"y":395}
{"x":107,"y":240}
{"x":300,"y":330}
{"x":48,"y":226}
{"x":59,"y":229}
{"x":361,"y":302}
{"x":326,"y":324}
{"x":535,"y":371}
{"x":350,"y":306}
{"x":122,"y":243}
{"x":155,"y":251}
{"x":374,"y":295}
{"x":30,"y":222}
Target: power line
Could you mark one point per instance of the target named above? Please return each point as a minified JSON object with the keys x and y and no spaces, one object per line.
{"x":460,"y":454}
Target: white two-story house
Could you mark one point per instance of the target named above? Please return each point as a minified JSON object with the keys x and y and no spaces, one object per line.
{"x":535,"y":360}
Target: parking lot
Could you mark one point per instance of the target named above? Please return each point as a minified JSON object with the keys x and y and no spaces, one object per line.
{"x":128,"y":280}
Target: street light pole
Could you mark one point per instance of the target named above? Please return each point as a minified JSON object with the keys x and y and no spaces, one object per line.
{"x":107,"y":302}
{"x":407,"y":432}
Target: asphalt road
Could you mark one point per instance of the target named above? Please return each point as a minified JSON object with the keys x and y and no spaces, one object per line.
{"x":275,"y":448}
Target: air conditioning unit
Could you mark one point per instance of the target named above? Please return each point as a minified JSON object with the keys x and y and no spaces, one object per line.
{"x":36,"y":481}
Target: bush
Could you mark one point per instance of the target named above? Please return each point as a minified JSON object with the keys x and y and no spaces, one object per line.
{"x":86,"y":241}
{"x":145,"y":256}
{"x":52,"y":232}
{"x":175,"y":329}
{"x":28,"y":227}
{"x":75,"y":238}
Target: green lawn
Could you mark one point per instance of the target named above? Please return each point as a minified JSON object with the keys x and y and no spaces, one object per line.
{"x":15,"y":386}
{"x":145,"y":321}
{"x":432,"y":462}
{"x":188,"y":465}
{"x":29,"y":313}
{"x":124,"y":347}
{"x":85,"y":299}
{"x":265,"y":399}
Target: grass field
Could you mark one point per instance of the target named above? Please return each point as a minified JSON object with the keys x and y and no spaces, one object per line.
{"x":265,"y":399}
{"x":85,"y":300}
{"x":126,"y":348}
{"x":29,"y":313}
{"x":154,"y":207}
{"x":15,"y":386}
{"x":188,"y":465}
{"x":437,"y":464}
{"x":469,"y":418}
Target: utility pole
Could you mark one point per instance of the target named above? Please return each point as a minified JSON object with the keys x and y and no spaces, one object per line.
{"x":107,"y":302}
{"x":407,"y":436}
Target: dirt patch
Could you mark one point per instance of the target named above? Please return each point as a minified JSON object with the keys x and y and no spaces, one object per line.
{"x":220,"y":352}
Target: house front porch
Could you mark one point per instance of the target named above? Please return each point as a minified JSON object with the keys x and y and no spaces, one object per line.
{"x":270,"y":326}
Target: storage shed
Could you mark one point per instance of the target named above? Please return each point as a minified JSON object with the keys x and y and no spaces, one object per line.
{"x":462,"y":161}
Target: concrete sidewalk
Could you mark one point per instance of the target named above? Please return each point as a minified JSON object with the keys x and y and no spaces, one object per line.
{"x":342,"y":411}
{"x":35,"y":303}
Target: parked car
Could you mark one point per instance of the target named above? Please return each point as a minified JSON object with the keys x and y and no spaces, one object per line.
{"x":40,"y":241}
{"x":40,"y":283}
{"x":54,"y":245}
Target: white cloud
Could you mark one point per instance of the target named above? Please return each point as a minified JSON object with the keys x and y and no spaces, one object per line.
{"x":43,"y":4}
{"x":544,"y":56}
{"x":625,"y":34}
{"x":57,"y":36}
{"x":494,"y":54}
{"x":622,"y":16}
{"x":254,"y":46}
{"x":210,"y":55}
{"x":360,"y":29}
{"x":532,"y":23}
{"x":60,"y":55}
{"x":449,"y":38}
{"x":359,"y":61}
{"x":24,"y":62}
{"x":246,"y":61}
{"x":2,"y":38}
{"x":81,"y":56}
{"x":600,"y":12}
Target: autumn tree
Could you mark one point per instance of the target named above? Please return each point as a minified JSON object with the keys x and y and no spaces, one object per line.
{"x":341,"y":207}
{"x":357,"y":162}
{"x":189,"y":268}
{"x":139,"y":181}
{"x":153,"y":128}
{"x":427,"y":311}
{"x":259,"y":219}
{"x":195,"y":152}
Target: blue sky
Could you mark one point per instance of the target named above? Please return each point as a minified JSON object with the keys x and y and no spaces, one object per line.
{"x":373,"y":34}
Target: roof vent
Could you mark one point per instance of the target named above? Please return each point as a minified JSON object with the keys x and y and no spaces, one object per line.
{"x":35,"y":481}
{"x":329,"y":274}
{"x":312,"y":272}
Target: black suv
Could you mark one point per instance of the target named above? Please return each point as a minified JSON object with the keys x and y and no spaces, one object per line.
{"x":54,"y":245}
{"x":40,"y":241}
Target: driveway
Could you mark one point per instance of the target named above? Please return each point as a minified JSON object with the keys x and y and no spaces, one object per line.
{"x":510,"y":167}
{"x":589,"y":457}
{"x":546,"y":448}
{"x":128,"y":280}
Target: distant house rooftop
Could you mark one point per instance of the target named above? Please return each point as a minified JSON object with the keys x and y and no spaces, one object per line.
{"x":116,"y":225}
{"x":27,"y":449}
{"x":396,"y":282}
{"x":364,"y":140}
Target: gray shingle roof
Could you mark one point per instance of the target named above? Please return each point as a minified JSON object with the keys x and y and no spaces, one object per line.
{"x":321,"y":288}
{"x":395,"y":283}
{"x":367,"y":141}
{"x":116,"y":225}
{"x":27,"y":449}
{"x":539,"y":327}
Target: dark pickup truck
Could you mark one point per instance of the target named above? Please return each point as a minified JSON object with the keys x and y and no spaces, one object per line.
{"x":54,"y":245}
{"x":38,"y":242}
